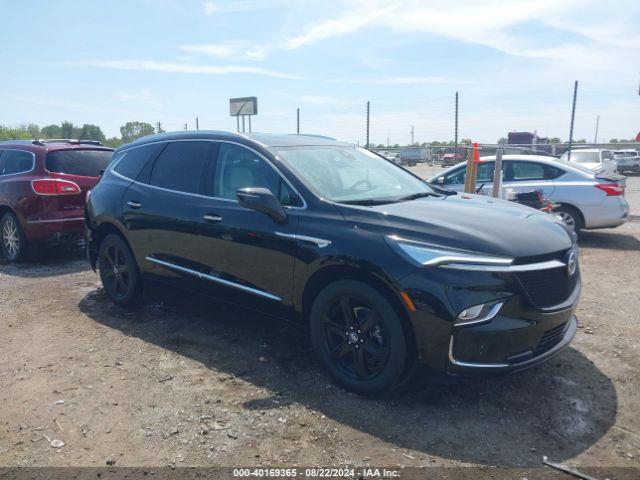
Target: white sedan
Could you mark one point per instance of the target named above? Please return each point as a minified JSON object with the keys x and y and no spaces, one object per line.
{"x":586,"y":200}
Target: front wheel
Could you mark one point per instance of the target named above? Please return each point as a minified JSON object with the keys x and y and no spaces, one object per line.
{"x":358,"y":337}
{"x":119,"y":271}
{"x":13,"y":241}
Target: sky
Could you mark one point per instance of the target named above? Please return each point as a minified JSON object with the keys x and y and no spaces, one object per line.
{"x":513,"y":63}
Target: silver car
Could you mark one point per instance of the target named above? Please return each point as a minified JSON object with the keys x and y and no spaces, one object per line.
{"x":627,"y":160}
{"x":586,"y":200}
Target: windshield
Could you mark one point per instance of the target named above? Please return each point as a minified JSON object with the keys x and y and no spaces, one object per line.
{"x":351,"y":174}
{"x":583,"y":157}
{"x":85,"y":163}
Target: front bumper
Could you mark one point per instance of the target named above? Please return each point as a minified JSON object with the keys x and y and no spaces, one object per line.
{"x":524,"y":333}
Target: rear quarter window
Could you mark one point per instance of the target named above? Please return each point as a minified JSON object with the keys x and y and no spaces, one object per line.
{"x":15,"y":161}
{"x":85,"y":163}
{"x":131,"y":162}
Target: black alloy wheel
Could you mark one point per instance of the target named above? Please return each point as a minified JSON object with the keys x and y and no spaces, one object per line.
{"x":359,"y":337}
{"x":118,"y":271}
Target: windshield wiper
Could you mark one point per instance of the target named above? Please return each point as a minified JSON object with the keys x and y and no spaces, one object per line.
{"x":415,"y":196}
{"x":369,"y":201}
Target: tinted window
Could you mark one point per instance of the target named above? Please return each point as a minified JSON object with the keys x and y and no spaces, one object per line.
{"x":15,"y":161}
{"x":133,"y":161}
{"x":86,"y":163}
{"x":238,"y":167}
{"x":181,"y":166}
{"x":520,"y":171}
{"x":485,"y":174}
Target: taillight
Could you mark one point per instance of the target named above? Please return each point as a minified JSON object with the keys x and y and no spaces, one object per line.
{"x":50,"y":186}
{"x":611,"y":189}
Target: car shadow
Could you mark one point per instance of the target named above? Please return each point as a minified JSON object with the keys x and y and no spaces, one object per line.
{"x":609,"y":240}
{"x":47,"y":262}
{"x":558,"y":409}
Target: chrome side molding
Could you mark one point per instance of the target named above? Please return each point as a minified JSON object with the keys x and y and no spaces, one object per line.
{"x":319,"y":242}
{"x":211,"y":278}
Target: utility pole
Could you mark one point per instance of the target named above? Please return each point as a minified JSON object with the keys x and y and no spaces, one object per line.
{"x":185,"y":126}
{"x":595,"y":138}
{"x":368,"y":112}
{"x":298,"y":121}
{"x":387,"y":138}
{"x":456,"y":127}
{"x":573,"y":117}
{"x":159,"y":126}
{"x":197,"y":124}
{"x":412,"y":138}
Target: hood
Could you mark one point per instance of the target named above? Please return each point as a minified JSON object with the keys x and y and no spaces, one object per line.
{"x":467,"y":222}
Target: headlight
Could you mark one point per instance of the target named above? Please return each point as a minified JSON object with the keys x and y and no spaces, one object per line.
{"x":478,"y":313}
{"x":427,"y":255}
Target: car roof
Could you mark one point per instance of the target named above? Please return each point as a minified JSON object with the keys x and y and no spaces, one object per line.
{"x":53,"y":145}
{"x":263,"y":139}
{"x":579,"y":149}
{"x":532,"y":158}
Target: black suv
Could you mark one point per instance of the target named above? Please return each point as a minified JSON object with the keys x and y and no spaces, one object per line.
{"x":387,"y":272}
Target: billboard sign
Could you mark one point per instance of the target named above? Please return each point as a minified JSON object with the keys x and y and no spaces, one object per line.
{"x":243,"y":106}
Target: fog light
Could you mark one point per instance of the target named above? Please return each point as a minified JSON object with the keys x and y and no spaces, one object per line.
{"x":478,"y":313}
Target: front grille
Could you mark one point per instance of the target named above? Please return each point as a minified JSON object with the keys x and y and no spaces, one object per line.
{"x":547,"y":288}
{"x":550,"y":339}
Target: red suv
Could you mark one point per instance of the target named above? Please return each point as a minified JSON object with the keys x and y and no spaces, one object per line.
{"x":43,"y":185}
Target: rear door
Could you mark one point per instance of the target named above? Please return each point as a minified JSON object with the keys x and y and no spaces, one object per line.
{"x":163,"y":206}
{"x":525,"y":176}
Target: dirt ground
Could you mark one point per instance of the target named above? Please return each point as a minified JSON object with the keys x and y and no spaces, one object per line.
{"x":188,"y":381}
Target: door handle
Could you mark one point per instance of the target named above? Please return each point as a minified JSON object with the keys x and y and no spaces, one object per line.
{"x":134,"y":204}
{"x":212,"y":218}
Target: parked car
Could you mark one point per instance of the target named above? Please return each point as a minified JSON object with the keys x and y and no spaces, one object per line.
{"x":596,"y":159}
{"x":42,"y":190}
{"x":586,"y":200}
{"x":386,"y":272}
{"x":627,"y":160}
{"x":449,"y":159}
{"x":393,"y":156}
{"x":411,"y":156}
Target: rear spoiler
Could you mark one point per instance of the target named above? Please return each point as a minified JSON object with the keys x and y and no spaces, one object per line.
{"x":610,"y":177}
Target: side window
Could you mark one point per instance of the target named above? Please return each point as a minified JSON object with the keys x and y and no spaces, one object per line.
{"x":131,"y":162}
{"x":606,"y":155}
{"x":181,"y":166}
{"x":238,"y":167}
{"x":485,"y":172}
{"x":523,"y":171}
{"x":16,"y":161}
{"x":455,"y":177}
{"x":551,"y":173}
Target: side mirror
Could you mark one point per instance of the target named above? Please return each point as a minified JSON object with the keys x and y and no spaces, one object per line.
{"x":440,"y":180}
{"x":262,"y":200}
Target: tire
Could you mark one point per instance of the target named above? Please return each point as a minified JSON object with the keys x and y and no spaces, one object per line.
{"x":365,"y":352}
{"x":119,"y":271}
{"x":571,"y":216}
{"x":13,"y":241}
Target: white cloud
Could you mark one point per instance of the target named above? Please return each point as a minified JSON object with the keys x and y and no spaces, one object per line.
{"x":143,"y":97}
{"x":409,"y":80}
{"x":173,"y":67}
{"x":211,"y":7}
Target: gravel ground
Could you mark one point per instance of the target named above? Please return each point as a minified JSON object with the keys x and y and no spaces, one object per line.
{"x":187,"y":381}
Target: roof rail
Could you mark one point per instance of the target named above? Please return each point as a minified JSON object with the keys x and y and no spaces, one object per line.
{"x":42,"y":141}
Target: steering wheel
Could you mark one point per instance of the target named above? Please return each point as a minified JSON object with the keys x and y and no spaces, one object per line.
{"x":354,"y":187}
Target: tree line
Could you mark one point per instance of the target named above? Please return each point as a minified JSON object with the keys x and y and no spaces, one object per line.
{"x":128,"y":132}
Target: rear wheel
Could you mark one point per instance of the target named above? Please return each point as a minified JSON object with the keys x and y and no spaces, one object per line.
{"x":358,"y":337}
{"x":571,"y":217}
{"x":12,"y":238}
{"x":119,"y":271}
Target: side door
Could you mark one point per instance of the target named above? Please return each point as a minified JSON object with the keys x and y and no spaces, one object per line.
{"x":455,"y":179}
{"x":607,"y":161}
{"x":162,"y":209}
{"x":526,"y":176}
{"x":248,"y":256}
